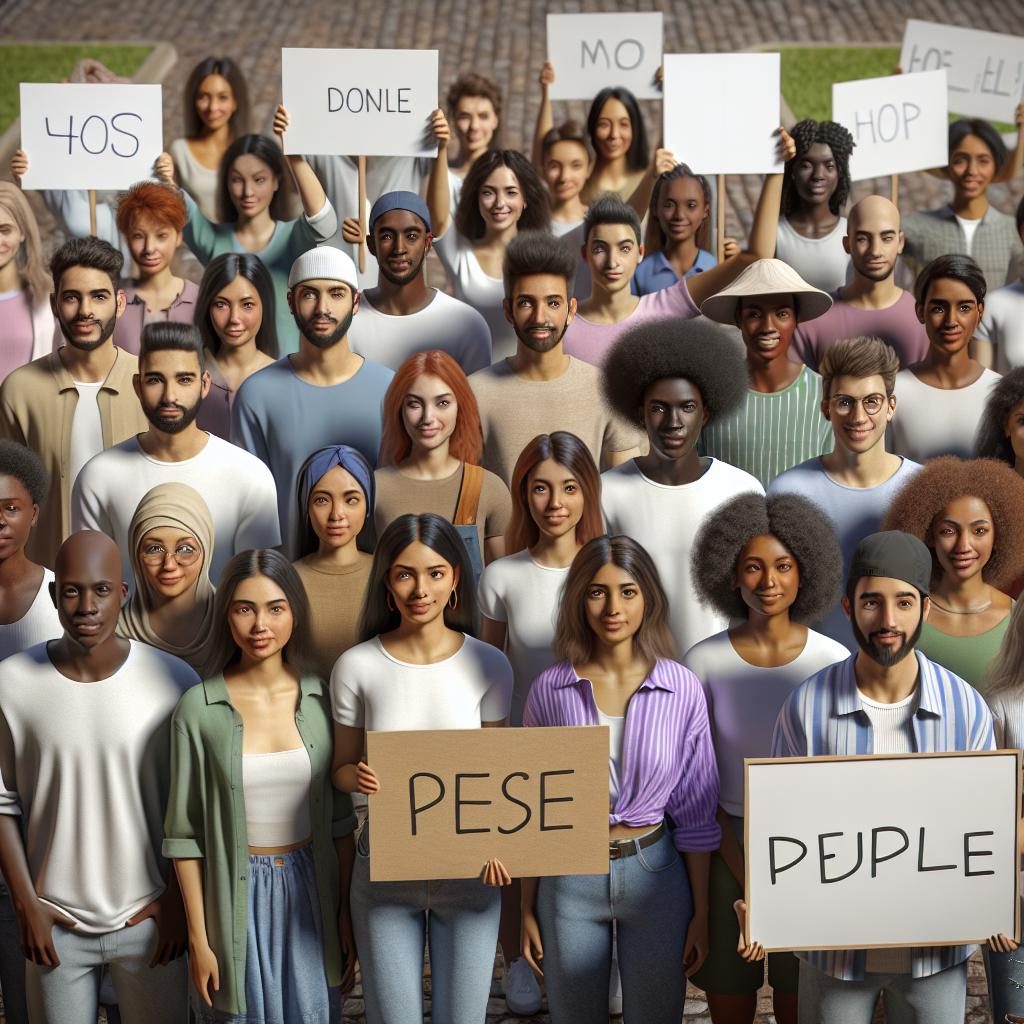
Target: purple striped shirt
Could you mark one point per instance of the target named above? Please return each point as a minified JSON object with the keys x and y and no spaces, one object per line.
{"x":668,"y":762}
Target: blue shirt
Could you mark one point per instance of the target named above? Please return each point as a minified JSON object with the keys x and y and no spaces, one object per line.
{"x":655,"y":272}
{"x":825,"y":717}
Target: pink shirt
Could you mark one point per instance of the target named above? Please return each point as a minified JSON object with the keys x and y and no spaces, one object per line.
{"x":591,"y":342}
{"x":17,"y":334}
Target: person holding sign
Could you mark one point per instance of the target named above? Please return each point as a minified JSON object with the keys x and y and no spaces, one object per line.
{"x":771,"y":565}
{"x":419,"y":667}
{"x":616,"y":669}
{"x":999,"y":340}
{"x":968,"y":513}
{"x":888,"y":699}
{"x":261,"y":843}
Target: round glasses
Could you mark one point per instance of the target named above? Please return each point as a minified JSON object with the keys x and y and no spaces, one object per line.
{"x":184,"y":554}
{"x":843,"y":405}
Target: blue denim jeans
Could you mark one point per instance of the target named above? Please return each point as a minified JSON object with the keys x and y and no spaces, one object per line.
{"x":647,"y":896}
{"x":394,"y":920}
{"x":1005,"y":982}
{"x":12,"y":962}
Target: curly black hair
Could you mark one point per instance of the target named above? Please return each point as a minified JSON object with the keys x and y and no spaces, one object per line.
{"x":699,"y":351}
{"x":26,"y":467}
{"x":799,"y":525}
{"x":991,"y":441}
{"x":806,"y":134}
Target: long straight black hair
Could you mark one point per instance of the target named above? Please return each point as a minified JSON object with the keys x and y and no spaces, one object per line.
{"x":638,"y":154}
{"x":219,"y":273}
{"x":265,"y":149}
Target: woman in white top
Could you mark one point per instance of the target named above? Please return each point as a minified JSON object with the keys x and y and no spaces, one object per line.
{"x":770,"y":565}
{"x":419,"y":667}
{"x":564,"y":162}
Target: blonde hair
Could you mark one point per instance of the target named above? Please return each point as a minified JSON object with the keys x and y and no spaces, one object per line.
{"x":29,"y":259}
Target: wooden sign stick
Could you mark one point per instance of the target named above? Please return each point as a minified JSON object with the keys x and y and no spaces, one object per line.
{"x":361,"y":168}
{"x":894,"y":189}
{"x":92,"y":211}
{"x":720,"y":218}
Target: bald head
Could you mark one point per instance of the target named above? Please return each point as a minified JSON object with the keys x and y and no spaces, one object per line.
{"x":873,"y":210}
{"x":873,"y":238}
{"x":88,"y":555}
{"x":89,"y":589}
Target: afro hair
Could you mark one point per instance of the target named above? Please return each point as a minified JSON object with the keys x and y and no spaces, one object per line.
{"x":991,"y":441}
{"x":943,"y":480}
{"x":26,"y":467}
{"x":798,"y":524}
{"x":698,"y":350}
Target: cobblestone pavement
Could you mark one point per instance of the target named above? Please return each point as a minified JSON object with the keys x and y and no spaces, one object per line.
{"x":506,"y":41}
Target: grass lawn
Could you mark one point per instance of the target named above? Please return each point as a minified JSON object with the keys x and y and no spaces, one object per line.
{"x":27,"y":62}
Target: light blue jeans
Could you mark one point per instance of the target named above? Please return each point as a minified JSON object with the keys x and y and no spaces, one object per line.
{"x":393,"y":921}
{"x":648,"y":898}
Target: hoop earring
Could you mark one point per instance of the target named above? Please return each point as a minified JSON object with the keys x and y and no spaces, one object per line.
{"x":453,"y":599}
{"x":389,"y":601}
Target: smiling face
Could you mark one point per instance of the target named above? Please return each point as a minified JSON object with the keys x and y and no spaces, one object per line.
{"x":337,"y":509}
{"x":566,"y":166}
{"x":972,"y":166}
{"x":88,"y":589}
{"x":215,"y":102}
{"x":950,"y":314}
{"x":540,"y":310}
{"x":613,"y":132}
{"x":555,"y":497}
{"x":260,"y":619}
{"x":767,"y":323}
{"x":859,"y":412}
{"x":236,"y":313}
{"x":614,"y":605}
{"x":429,"y":412}
{"x":323,"y":310}
{"x":673,"y":414}
{"x":682,"y":209}
{"x":501,"y":200}
{"x":475,"y":122}
{"x":171,"y":559}
{"x":767,"y":576}
{"x":11,"y":237}
{"x":886,"y":616}
{"x":421,"y":583}
{"x":815,"y":175}
{"x":87,"y":307}
{"x":251,"y":185}
{"x":153,"y":244}
{"x":400,"y":242}
{"x":963,"y":536}
{"x":613,"y":254}
{"x":18,"y":514}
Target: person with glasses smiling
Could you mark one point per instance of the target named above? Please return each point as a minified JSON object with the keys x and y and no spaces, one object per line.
{"x":855,"y":482}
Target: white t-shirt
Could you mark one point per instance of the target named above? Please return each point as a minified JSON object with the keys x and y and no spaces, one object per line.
{"x":39,"y":623}
{"x":1003,"y":324}
{"x":932,"y":421}
{"x":86,"y":428}
{"x":444,"y":323}
{"x":374,"y":691}
{"x":821,"y":262}
{"x":744,"y":701}
{"x":236,"y":486}
{"x":665,"y":520}
{"x":88,"y":768}
{"x":616,"y":733}
{"x":969,"y":227}
{"x":518,"y":591}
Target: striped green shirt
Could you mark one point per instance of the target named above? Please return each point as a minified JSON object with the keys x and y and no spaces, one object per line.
{"x":771,"y":433}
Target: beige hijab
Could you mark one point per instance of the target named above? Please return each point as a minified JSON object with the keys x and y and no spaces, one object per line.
{"x":180,"y":507}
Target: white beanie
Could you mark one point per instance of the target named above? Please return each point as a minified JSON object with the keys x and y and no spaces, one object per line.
{"x":324,"y":263}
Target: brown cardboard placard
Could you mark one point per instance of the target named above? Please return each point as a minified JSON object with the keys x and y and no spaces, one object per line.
{"x":449,"y":800}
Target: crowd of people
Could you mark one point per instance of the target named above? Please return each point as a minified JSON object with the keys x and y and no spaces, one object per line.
{"x":257,"y":503}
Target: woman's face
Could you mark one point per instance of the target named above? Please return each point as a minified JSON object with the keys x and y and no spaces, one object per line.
{"x":566,"y":167}
{"x":17,"y":516}
{"x":337,"y":509}
{"x":950,"y":315}
{"x":816,"y":174}
{"x":972,"y":166}
{"x":11,"y":237}
{"x":963,"y":536}
{"x":767,"y":576}
{"x":501,"y":199}
{"x":476,"y":122}
{"x":615,"y":605}
{"x":682,"y":209}
{"x":251,"y":184}
{"x":613,"y":132}
{"x":236,"y":313}
{"x":429,"y":412}
{"x":153,"y":244}
{"x":421,"y":583}
{"x":172,"y":560}
{"x":1015,"y":431}
{"x":260,"y":619}
{"x":215,"y":102}
{"x":555,"y":497}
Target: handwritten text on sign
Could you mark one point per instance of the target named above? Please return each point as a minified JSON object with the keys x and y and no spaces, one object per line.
{"x":537,"y":799}
{"x":985,"y":69}
{"x":833,"y":844}
{"x":90,"y":136}
{"x":359,"y":102}
{"x":899,"y":123}
{"x":591,"y":51}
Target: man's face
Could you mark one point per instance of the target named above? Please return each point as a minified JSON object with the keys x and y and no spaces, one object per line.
{"x":540,"y":310}
{"x":323,"y":310}
{"x":88,"y":590}
{"x":87,"y":307}
{"x":673,"y":415}
{"x":886,"y":616}
{"x":767,"y":323}
{"x":613,"y":254}
{"x":400,"y":242}
{"x":171,"y":389}
{"x":874,"y":242}
{"x":859,"y":412}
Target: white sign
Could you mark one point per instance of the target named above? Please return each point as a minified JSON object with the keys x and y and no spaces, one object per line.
{"x":900,"y":123}
{"x":731,"y":130}
{"x":359,"y":102}
{"x":90,"y":136}
{"x":985,"y":69}
{"x":591,"y":51}
{"x":853,"y":852}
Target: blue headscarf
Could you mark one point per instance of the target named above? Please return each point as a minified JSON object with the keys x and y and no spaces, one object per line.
{"x":313,"y":470}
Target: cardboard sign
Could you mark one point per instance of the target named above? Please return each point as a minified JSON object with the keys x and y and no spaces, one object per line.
{"x":833,"y":845}
{"x":90,"y":136}
{"x":731,"y":129}
{"x":359,"y":102}
{"x":985,"y":69}
{"x":591,"y":51}
{"x":449,"y":800}
{"x":900,"y":123}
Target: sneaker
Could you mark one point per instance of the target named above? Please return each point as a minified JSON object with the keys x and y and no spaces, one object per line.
{"x":615,"y":991}
{"x":522,"y":993}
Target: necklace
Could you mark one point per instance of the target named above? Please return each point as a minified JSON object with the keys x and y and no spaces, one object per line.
{"x":967,"y":611}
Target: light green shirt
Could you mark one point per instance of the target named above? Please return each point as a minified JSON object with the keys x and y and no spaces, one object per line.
{"x":206,"y":819}
{"x":965,"y":656}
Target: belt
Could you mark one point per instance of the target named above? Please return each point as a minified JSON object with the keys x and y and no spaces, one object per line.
{"x":621,"y":848}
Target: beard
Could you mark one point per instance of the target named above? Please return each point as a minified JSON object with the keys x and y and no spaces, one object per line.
{"x":886,"y":656}
{"x":106,"y":330}
{"x":165,"y":426}
{"x":323,"y":342}
{"x":877,"y":275}
{"x":542,"y":345}
{"x":401,"y":279}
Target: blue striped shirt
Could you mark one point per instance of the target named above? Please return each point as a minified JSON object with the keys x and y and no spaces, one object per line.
{"x":825,"y":717}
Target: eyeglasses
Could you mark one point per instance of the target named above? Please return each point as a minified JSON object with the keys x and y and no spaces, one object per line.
{"x":843,"y":405}
{"x":184,"y":554}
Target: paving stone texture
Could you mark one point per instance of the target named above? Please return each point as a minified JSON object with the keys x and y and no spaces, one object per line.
{"x":506,"y":40}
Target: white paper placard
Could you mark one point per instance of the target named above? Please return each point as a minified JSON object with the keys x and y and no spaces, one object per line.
{"x":359,"y":102}
{"x":985,"y":69}
{"x":591,"y":51}
{"x":90,"y":136}
{"x":854,"y":852}
{"x":900,"y":123}
{"x":732,"y":129}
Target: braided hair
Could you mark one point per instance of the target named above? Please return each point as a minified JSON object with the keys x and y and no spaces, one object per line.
{"x":806,"y":134}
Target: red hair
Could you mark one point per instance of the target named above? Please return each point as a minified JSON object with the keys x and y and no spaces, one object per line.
{"x":467,"y":441}
{"x":151,"y":199}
